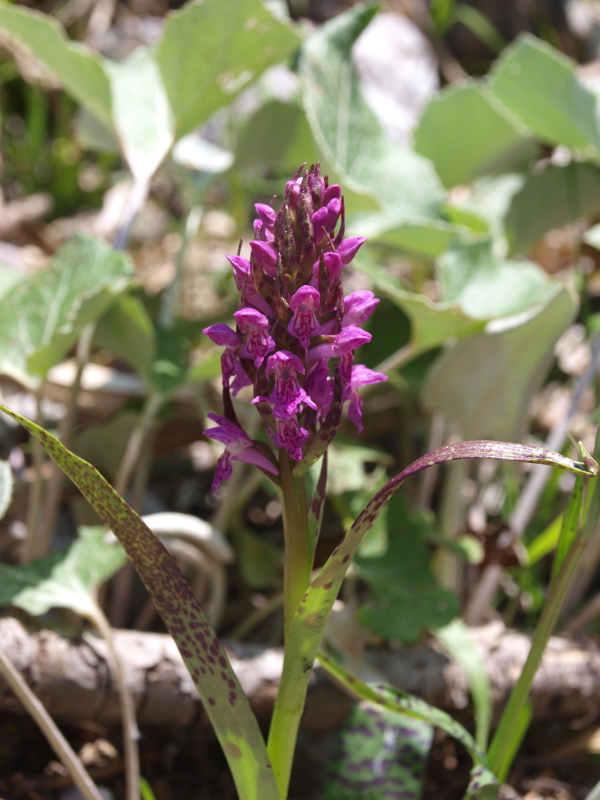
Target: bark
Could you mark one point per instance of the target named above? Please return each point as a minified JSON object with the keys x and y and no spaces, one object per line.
{"x":72,"y":679}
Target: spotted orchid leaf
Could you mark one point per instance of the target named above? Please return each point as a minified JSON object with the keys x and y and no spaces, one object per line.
{"x":224,"y":700}
{"x":308,"y":624}
{"x":482,"y":786}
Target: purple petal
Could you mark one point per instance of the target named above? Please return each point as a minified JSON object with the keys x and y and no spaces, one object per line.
{"x":222,"y":335}
{"x":291,"y":437}
{"x":253,"y":456}
{"x":362,"y":376}
{"x":347,"y":340}
{"x":332,"y":192}
{"x":266,"y":214}
{"x":227,"y":432}
{"x":358,"y":307}
{"x":251,"y":318}
{"x":304,"y":323}
{"x":349,"y":248}
{"x":223,"y":470}
{"x":265,"y":256}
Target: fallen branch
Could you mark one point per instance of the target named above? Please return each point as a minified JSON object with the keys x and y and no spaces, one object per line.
{"x":72,"y":678}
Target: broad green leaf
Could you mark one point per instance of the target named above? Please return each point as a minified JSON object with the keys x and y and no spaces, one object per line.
{"x":224,"y":700}
{"x":483,"y":385}
{"x":77,"y":68}
{"x":6,"y":487}
{"x":540,"y":85}
{"x":491,"y":142}
{"x":276,"y":140}
{"x":490,"y":198}
{"x":141,"y":114}
{"x":349,"y":133}
{"x":456,"y":639}
{"x":381,"y":754}
{"x":171,"y":360}
{"x":63,"y":580}
{"x":260,"y":561}
{"x":43,"y":315}
{"x":404,"y":597}
{"x":211,"y":50}
{"x":432,"y":324}
{"x":126,"y":331}
{"x":427,"y":238}
{"x":9,"y":278}
{"x":485,"y":286}
{"x":555,"y":197}
{"x":482,"y":785}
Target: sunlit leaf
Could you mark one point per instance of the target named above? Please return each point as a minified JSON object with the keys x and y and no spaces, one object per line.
{"x":492,"y":142}
{"x":43,"y":315}
{"x":212,"y":50}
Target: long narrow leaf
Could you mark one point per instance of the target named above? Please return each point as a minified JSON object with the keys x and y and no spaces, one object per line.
{"x":308,"y":624}
{"x":226,"y":704}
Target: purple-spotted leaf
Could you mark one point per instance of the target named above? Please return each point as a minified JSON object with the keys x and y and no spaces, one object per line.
{"x":225,"y":702}
{"x":308,"y":623}
{"x":482,"y":786}
{"x":381,"y":755}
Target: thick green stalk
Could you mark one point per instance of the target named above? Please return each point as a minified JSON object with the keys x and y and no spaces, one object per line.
{"x":298,"y":552}
{"x":297,"y":576}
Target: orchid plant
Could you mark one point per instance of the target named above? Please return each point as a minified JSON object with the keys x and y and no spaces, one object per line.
{"x":294,"y":343}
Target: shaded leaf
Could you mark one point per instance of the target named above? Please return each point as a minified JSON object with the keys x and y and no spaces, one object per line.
{"x":381,"y":756}
{"x":212,"y":50}
{"x":404,"y":597}
{"x":540,"y":85}
{"x":491,"y":142}
{"x":224,"y":700}
{"x":555,"y":197}
{"x":63,"y":580}
{"x":349,"y":133}
{"x":43,"y":315}
{"x":483,"y":385}
{"x":482,"y":785}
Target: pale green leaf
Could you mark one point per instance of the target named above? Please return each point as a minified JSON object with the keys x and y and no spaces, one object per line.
{"x":491,"y":142}
{"x":483,"y":385}
{"x":141,"y":114}
{"x":211,"y":50}
{"x":77,"y":68}
{"x":555,"y":197}
{"x":347,"y":130}
{"x":458,"y":642}
{"x":540,"y":85}
{"x":43,"y":315}
{"x":63,"y":580}
{"x":6,"y":487}
{"x":485,"y":286}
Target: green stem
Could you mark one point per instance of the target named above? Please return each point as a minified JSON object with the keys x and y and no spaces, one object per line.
{"x":289,"y":704}
{"x":298,"y":552}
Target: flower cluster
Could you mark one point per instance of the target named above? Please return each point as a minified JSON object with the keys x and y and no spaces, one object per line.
{"x":296,"y":334}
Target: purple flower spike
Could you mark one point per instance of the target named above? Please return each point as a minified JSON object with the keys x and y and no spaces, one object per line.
{"x":265,"y":256}
{"x":304,"y":323}
{"x":358,"y":307}
{"x":291,"y":436}
{"x":258,"y":343}
{"x":291,"y":294}
{"x":238,"y":447}
{"x":349,"y":248}
{"x":287,"y":393}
